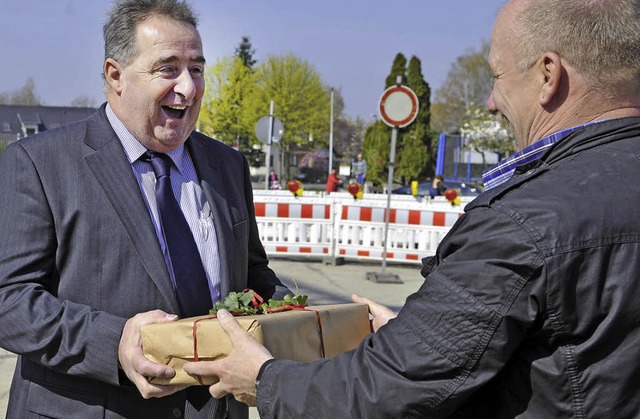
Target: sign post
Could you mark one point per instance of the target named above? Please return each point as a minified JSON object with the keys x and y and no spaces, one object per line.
{"x":331,"y":135}
{"x":269,"y":141}
{"x":398,"y":108}
{"x":269,"y":130}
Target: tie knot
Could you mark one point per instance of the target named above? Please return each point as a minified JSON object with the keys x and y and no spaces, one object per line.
{"x":160,"y":162}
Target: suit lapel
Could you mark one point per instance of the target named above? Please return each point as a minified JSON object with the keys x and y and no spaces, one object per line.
{"x":211,"y":180}
{"x":113,"y":172}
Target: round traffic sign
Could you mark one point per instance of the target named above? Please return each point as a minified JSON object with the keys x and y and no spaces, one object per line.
{"x":398,"y":106}
{"x":262,"y":129}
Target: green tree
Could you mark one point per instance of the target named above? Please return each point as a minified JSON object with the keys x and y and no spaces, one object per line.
{"x":300,"y":99}
{"x":245,"y":52}
{"x":338,"y":101}
{"x":415,"y":155}
{"x":377,"y":138}
{"x":228,"y":82}
{"x":414,"y":152}
{"x":398,"y":68}
{"x":468,"y":85}
{"x":376,"y":149}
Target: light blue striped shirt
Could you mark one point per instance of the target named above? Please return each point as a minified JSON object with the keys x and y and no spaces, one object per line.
{"x":188,"y":193}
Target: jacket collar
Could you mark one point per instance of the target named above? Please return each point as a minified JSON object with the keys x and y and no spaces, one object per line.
{"x":586,"y":138}
{"x":593,"y":136}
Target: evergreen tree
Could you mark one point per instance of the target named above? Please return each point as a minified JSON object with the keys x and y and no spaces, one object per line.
{"x":376,"y":148}
{"x":245,"y":52}
{"x":416,"y":158}
{"x":377,"y":138}
{"x":398,"y":68}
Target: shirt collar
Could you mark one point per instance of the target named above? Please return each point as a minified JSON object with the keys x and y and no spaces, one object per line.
{"x":134,"y":148}
{"x":502,"y":172}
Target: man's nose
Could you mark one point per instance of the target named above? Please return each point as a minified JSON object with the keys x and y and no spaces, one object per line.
{"x":185,"y":85}
{"x":491,"y":104}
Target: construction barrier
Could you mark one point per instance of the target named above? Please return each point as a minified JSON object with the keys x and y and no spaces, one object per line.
{"x":294,"y":228}
{"x":412,"y":233}
{"x":334,"y":226}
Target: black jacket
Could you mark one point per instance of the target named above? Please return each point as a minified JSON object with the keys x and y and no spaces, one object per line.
{"x":530,"y":308}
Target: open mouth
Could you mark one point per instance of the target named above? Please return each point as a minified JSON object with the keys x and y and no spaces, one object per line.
{"x":175,"y":111}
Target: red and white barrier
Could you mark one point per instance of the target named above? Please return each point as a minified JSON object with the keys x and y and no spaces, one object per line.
{"x":293,"y":210}
{"x":401,"y":216}
{"x":294,"y":228}
{"x":412,"y":233}
{"x":341,"y":227}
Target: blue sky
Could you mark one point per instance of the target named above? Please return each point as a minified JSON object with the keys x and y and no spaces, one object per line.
{"x":351,"y":43}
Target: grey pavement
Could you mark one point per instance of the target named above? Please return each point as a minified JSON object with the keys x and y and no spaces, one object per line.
{"x":7,"y":364}
{"x":323,"y":283}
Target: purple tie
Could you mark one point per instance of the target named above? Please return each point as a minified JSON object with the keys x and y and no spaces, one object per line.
{"x":191,"y":284}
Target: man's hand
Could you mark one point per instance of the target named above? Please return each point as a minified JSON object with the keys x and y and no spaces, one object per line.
{"x":381,"y":314}
{"x":135,"y":364}
{"x":238,"y":371}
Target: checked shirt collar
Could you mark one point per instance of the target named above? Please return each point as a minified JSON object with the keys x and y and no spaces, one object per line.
{"x":502,"y":172}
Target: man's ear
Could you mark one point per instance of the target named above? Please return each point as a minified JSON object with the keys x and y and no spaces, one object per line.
{"x":550,"y":67}
{"x":113,"y":74}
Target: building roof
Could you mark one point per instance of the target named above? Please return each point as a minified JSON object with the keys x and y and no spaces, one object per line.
{"x":17,"y":121}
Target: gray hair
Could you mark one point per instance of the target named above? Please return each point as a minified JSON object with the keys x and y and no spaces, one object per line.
{"x":120,"y":28}
{"x":599,"y":38}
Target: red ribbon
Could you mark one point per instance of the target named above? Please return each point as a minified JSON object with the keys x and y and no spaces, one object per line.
{"x":286,"y":308}
{"x":194,"y":330}
{"x":319,"y":328}
{"x":256,"y":300}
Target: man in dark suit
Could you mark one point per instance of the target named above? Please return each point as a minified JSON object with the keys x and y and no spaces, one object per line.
{"x":85,"y":260}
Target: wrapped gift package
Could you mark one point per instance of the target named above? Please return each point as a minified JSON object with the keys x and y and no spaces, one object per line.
{"x":298,"y":335}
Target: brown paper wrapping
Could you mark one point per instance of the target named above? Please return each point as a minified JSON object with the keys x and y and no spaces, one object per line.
{"x":292,"y":335}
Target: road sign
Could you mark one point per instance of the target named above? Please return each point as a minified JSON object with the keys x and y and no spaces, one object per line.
{"x":398,"y":106}
{"x":262,"y":130}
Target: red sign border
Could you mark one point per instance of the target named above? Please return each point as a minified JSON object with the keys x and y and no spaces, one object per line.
{"x":414,"y":102}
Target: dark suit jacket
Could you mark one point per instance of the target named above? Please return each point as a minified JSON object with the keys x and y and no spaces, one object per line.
{"x":79,"y":256}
